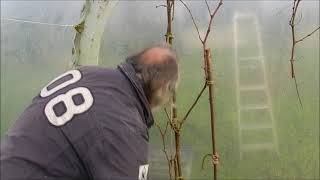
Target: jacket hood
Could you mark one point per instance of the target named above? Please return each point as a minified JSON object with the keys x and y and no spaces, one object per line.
{"x":128,"y":70}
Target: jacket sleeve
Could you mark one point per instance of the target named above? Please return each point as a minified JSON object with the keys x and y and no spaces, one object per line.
{"x":119,"y":154}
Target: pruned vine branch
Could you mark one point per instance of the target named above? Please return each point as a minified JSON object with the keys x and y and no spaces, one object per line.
{"x":208,"y":6}
{"x":211,"y":20}
{"x":208,"y":78}
{"x":167,"y":114}
{"x":212,"y":15}
{"x":308,"y":35}
{"x":169,"y":158}
{"x":193,"y":104}
{"x":293,"y":24}
{"x":174,"y":163}
{"x":193,"y":20}
{"x":174,"y":122}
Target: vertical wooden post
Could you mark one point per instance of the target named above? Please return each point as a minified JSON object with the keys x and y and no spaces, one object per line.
{"x":177,"y":157}
{"x":210,"y":81}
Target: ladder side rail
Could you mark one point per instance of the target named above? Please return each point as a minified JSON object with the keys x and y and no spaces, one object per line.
{"x":269,"y":100}
{"x":237,"y":78}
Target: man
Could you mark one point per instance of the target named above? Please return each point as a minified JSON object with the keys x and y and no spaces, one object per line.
{"x":92,"y":123}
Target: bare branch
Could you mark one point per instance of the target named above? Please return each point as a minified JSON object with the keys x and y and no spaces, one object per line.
{"x":292,"y":24}
{"x":211,"y":19}
{"x":294,"y":42}
{"x":297,"y":90}
{"x":209,"y":82}
{"x":167,"y":114}
{"x":158,"y":126}
{"x":308,"y":35}
{"x":217,"y":8}
{"x":208,"y":7}
{"x":163,"y":138}
{"x":165,"y":130}
{"x":174,"y":123}
{"x":193,"y":104}
{"x":193,"y":20}
{"x":171,"y":123}
{"x":294,"y":11}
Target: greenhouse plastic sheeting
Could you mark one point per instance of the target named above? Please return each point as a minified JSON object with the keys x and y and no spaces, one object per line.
{"x":36,"y":45}
{"x":286,"y":148}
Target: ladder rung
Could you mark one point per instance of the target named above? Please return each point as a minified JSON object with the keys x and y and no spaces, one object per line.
{"x":254,"y":107}
{"x":255,"y":126}
{"x":252,"y":88}
{"x":257,"y":146}
{"x":251,"y":58}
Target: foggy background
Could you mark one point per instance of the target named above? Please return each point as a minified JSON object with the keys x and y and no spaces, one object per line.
{"x":33,"y":54}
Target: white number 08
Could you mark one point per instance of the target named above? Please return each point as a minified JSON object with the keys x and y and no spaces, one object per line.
{"x":71,"y":107}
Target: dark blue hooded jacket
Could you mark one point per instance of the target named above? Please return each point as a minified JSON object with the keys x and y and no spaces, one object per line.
{"x":90,"y":123}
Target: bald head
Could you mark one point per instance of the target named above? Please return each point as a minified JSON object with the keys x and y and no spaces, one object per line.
{"x":157,"y":67}
{"x":156,"y":55}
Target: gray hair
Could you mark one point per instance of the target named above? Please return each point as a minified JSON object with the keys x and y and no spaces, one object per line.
{"x":156,"y":75}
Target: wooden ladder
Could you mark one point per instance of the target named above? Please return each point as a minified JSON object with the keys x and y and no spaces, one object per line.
{"x":255,"y":114}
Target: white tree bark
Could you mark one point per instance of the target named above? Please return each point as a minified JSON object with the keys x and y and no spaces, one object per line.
{"x":90,"y":30}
